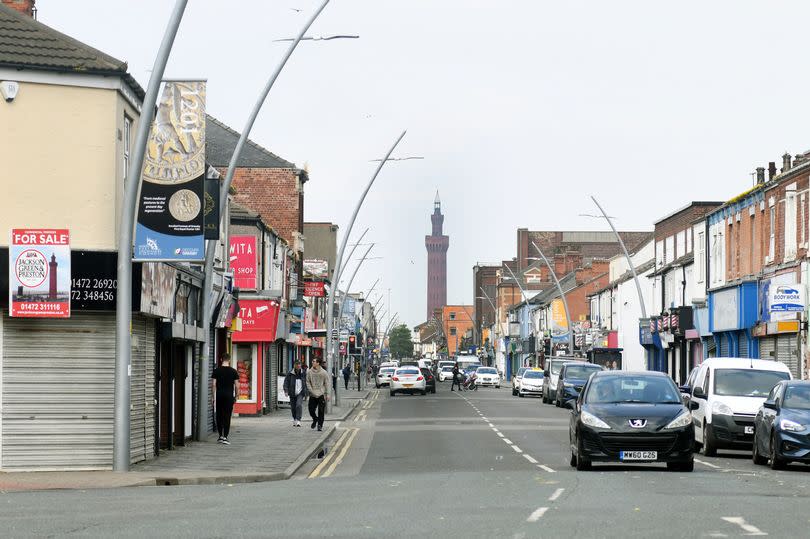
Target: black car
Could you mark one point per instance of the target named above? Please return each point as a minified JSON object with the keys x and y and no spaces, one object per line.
{"x":430,"y":380}
{"x":573,"y":377}
{"x":631,"y":417}
{"x":782,"y":425}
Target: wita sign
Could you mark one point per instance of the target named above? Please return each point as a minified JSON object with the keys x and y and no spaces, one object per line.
{"x":39,"y":273}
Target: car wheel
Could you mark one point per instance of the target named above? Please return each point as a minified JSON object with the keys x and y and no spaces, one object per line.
{"x":497,"y":387}
{"x":433,"y":391}
{"x":573,"y":460}
{"x":709,"y":448}
{"x":521,"y":395}
{"x":424,"y":393}
{"x":543,"y":396}
{"x":557,"y":403}
{"x":378,"y":386}
{"x":392,"y":393}
{"x":776,"y":462}
{"x":583,"y":465}
{"x":755,"y":456}
{"x":514,"y":392}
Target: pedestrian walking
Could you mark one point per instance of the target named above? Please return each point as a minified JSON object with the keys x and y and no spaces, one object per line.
{"x":318,"y":388}
{"x":295,"y":387}
{"x":347,"y":373}
{"x":225,"y":378}
{"x":456,"y":378}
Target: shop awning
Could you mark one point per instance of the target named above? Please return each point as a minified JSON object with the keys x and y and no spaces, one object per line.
{"x":259,"y":321}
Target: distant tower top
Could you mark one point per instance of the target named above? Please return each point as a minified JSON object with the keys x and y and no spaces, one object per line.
{"x":437,"y":219}
{"x":437,"y":204}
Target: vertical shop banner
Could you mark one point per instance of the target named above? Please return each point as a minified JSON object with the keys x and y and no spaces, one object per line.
{"x":39,"y":273}
{"x":559,"y":322}
{"x":211,"y":208}
{"x":170,"y":206}
{"x":244,"y":262}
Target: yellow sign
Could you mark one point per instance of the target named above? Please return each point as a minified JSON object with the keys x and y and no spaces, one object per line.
{"x":559,"y":322}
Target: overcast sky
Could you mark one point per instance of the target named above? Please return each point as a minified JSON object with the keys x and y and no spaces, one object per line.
{"x":521,"y":108}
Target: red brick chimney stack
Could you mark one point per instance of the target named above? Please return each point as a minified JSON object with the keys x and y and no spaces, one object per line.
{"x":26,"y":7}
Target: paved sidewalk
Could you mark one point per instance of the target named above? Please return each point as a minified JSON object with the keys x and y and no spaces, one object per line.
{"x":265,"y":448}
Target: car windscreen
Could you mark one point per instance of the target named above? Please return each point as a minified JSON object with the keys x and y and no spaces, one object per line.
{"x":487,"y":370}
{"x":447,"y":368}
{"x":521,"y":371}
{"x":387,"y":371}
{"x":746,"y":382}
{"x":637,"y":389}
{"x":797,"y":397}
{"x":533,"y":374}
{"x":556,"y":366}
{"x":407,"y":372}
{"x":580,"y":371}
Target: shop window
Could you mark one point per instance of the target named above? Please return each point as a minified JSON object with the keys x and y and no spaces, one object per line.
{"x":246,"y":367}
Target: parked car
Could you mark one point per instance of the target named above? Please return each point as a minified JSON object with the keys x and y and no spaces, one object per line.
{"x":782,"y":425}
{"x":430,"y":380}
{"x":384,"y":376}
{"x":631,"y":417}
{"x":531,"y":383}
{"x":572,"y":379}
{"x":408,"y":380}
{"x":728,"y":392}
{"x":488,"y":376}
{"x":552,"y":372}
{"x":446,"y":373}
{"x":444,"y":363}
{"x":516,"y":380}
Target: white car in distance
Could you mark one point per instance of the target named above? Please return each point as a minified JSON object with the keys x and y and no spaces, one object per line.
{"x":384,"y":376}
{"x":487,"y":376}
{"x":408,"y":380}
{"x":446,"y":373}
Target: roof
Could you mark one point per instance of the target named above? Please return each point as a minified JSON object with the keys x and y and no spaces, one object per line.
{"x":693,"y":204}
{"x":28,"y":44}
{"x":221,"y":141}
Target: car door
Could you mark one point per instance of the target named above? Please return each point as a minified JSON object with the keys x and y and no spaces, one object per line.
{"x":702,"y":381}
{"x":762,"y":423}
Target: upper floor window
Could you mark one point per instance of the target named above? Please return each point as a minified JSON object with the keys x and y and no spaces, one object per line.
{"x":126,"y":144}
{"x":772,"y":230}
{"x":452,"y":316}
{"x":701,"y":248}
{"x":790,"y":222}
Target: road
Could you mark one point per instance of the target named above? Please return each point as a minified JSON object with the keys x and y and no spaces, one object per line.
{"x":473,"y":464}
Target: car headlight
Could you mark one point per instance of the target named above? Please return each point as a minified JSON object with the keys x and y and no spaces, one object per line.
{"x":721,"y":409}
{"x":593,"y":421}
{"x":682,"y":420}
{"x":790,"y":426}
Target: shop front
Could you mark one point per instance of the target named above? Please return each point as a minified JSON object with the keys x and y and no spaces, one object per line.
{"x":650,"y":331}
{"x":249,"y":350}
{"x":732,"y":317}
{"x":782,"y":303}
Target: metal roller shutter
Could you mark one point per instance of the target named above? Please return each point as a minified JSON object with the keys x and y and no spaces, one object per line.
{"x":724,"y":351}
{"x":743,"y":344}
{"x":58,"y":388}
{"x":212,"y":361}
{"x":767,"y":348}
{"x":787,"y":353}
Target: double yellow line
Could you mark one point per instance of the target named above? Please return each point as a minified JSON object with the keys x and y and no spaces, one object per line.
{"x":335,"y":457}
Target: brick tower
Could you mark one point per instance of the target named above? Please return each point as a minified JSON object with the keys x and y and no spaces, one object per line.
{"x":436,"y":245}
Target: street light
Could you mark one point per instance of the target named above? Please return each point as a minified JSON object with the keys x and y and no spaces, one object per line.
{"x":123,"y":306}
{"x":319,"y":38}
{"x":330,"y":312}
{"x":398,"y":158}
{"x":208,"y":272}
{"x":571,"y":345}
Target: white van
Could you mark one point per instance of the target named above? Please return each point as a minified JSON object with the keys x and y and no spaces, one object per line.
{"x":465,"y":362}
{"x":728,"y":393}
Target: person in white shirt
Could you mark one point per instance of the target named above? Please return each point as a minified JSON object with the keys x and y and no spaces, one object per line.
{"x":295,"y":387}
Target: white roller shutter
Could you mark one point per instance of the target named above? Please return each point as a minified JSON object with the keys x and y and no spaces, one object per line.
{"x":58,"y":386}
{"x":787,"y":353}
{"x":767,"y":348}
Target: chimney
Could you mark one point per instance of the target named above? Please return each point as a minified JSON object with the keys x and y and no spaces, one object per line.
{"x":559,"y":265}
{"x":760,"y":175}
{"x":771,"y":170}
{"x":785,"y":162}
{"x":26,"y":7}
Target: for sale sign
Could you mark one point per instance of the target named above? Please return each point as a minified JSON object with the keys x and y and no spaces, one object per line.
{"x":39,"y":273}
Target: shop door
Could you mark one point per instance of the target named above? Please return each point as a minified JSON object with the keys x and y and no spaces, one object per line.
{"x":767,"y":348}
{"x":172,"y":394}
{"x":787,"y":353}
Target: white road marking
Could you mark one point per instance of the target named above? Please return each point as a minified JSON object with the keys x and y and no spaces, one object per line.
{"x":517,"y":449}
{"x":495,"y":430}
{"x":557,"y":494}
{"x":501,"y":435}
{"x":491,"y":425}
{"x":507,"y":440}
{"x":546,"y":468}
{"x":529,"y":458}
{"x":538,"y":513}
{"x":709,"y":464}
{"x":746,"y":527}
{"x":484,"y":418}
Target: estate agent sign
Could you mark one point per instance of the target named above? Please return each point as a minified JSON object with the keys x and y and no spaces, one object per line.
{"x":39,"y":273}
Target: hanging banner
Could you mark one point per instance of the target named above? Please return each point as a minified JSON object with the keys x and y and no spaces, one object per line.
{"x":314,"y":289}
{"x":170,"y":210}
{"x":211,"y":208}
{"x":39,"y":273}
{"x":315,"y":268}
{"x":559,"y":322}
{"x":243,"y":262}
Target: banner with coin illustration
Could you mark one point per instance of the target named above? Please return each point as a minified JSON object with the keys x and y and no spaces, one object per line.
{"x":170,"y":211}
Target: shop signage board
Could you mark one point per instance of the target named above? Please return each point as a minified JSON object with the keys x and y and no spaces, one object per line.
{"x":259,"y":320}
{"x":314,"y":289}
{"x":559,"y":322}
{"x":244,"y":262}
{"x":170,"y":222}
{"x":725,"y":315}
{"x":315,"y":268}
{"x":39,"y":273}
{"x":786,"y":298}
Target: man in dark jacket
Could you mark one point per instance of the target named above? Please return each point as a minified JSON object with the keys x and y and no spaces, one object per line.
{"x":347,"y":373}
{"x":456,"y":377}
{"x":295,"y":387}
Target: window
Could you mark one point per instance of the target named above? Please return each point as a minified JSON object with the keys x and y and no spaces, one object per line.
{"x":790,"y":222}
{"x":452,"y":331}
{"x":751,"y":268}
{"x":701,"y":246}
{"x":126,"y":146}
{"x":803,"y":215}
{"x":452,"y":316}
{"x":772,"y":232}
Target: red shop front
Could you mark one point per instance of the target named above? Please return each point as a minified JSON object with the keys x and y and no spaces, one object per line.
{"x":259,"y":320}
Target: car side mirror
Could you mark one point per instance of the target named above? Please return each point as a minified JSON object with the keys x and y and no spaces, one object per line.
{"x":570,"y":404}
{"x":770,"y":405}
{"x":699,"y":393}
{"x":545,"y":373}
{"x":685,"y":389}
{"x":693,"y":405}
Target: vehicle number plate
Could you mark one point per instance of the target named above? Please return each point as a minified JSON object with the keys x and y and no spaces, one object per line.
{"x":638,"y":455}
{"x":408,"y":385}
{"x":749,"y":429}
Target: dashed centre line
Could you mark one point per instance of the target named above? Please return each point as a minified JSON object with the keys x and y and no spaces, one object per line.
{"x":546,"y":468}
{"x":537,"y":514}
{"x":517,"y":449}
{"x":749,"y":529}
{"x":709,"y":464}
{"x":507,"y":440}
{"x":529,"y":458}
{"x":557,"y":494}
